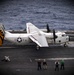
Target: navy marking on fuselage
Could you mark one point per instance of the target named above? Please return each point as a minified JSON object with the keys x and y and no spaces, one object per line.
{"x":19,"y":39}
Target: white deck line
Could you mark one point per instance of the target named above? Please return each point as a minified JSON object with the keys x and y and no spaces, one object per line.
{"x":7,"y":47}
{"x":55,"y":59}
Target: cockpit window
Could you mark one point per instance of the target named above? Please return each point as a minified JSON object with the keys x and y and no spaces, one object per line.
{"x":63,"y":35}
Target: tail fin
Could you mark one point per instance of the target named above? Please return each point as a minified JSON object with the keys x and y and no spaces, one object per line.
{"x":2,"y":34}
{"x":31,"y":28}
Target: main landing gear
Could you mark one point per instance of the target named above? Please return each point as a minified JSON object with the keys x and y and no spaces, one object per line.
{"x":37,"y":47}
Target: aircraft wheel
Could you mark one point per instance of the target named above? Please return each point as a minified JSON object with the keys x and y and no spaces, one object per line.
{"x":37,"y":47}
{"x":65,"y":44}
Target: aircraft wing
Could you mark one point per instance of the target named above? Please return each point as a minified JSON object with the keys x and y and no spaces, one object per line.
{"x":39,"y":39}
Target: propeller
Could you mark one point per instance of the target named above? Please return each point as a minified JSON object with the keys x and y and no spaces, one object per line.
{"x":54,"y":35}
{"x":47,"y":27}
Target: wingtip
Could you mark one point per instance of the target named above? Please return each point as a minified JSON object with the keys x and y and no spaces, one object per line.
{"x":28,"y":23}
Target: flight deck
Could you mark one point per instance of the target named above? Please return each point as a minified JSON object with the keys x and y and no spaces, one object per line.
{"x":23,"y":60}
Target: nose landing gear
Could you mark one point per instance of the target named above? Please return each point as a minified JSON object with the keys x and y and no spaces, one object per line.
{"x":65,"y":44}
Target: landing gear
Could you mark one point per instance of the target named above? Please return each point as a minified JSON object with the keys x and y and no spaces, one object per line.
{"x":65,"y":44}
{"x":37,"y":47}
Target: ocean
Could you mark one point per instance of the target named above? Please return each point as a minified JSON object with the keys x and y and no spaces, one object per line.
{"x":58,"y":14}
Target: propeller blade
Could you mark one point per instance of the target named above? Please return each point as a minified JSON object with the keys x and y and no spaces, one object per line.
{"x":47,"y":27}
{"x":54,"y":35}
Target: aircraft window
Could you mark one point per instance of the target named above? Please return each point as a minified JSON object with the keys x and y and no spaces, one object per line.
{"x":59,"y":41}
{"x":63,"y":35}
